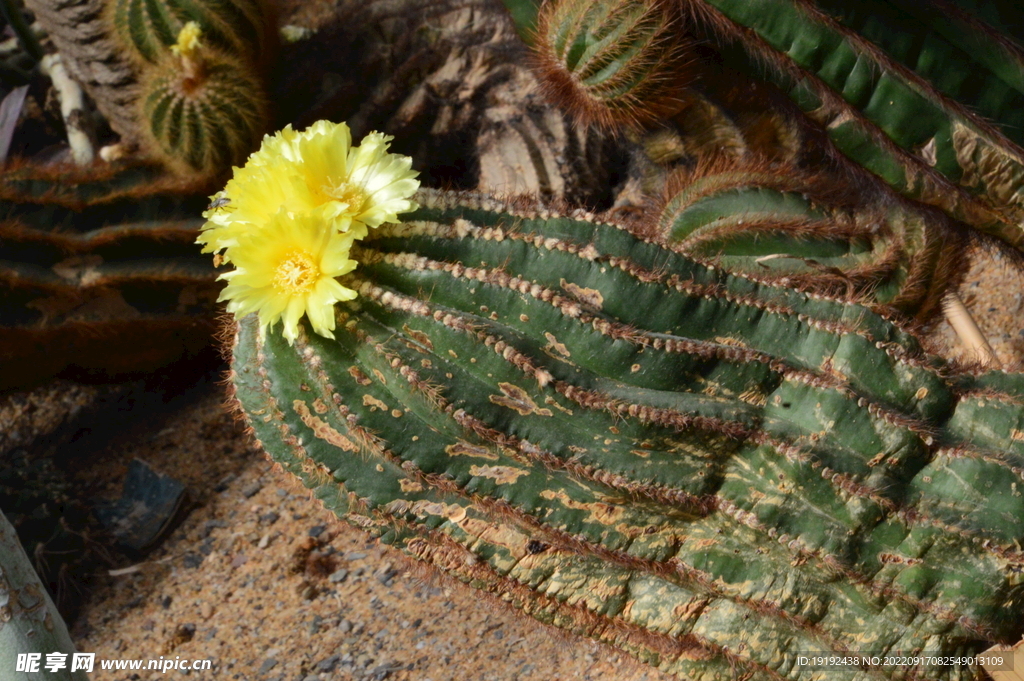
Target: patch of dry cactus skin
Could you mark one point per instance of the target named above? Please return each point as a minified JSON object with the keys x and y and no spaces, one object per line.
{"x":779,"y":223}
{"x":712,"y":474}
{"x":237,"y":27}
{"x":612,"y":63}
{"x":927,"y":95}
{"x":99,"y":272}
{"x":205,"y":119}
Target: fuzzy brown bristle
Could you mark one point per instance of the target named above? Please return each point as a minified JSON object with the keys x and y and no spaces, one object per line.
{"x":614,"y":64}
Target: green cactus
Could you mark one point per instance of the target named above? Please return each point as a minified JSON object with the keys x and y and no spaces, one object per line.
{"x":29,"y":622}
{"x":99,"y":272}
{"x":926,"y":95}
{"x":778,"y":223}
{"x":53,"y":526}
{"x":237,"y":27}
{"x":205,"y":118}
{"x":710,"y":473}
{"x":612,"y":62}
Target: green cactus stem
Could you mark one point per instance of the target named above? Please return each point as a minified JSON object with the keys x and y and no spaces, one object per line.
{"x":99,"y":273}
{"x":711,"y":473}
{"x":29,"y":622}
{"x":237,"y":27}
{"x":612,"y":63}
{"x":776,"y":223}
{"x":203,"y":112}
{"x":925,"y":95}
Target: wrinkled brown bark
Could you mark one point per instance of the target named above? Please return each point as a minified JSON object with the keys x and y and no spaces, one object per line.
{"x":93,"y":57}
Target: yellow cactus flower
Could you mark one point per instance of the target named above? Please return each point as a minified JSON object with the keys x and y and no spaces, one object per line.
{"x":287,"y":269}
{"x":188,"y":40}
{"x":316,"y":170}
{"x":250,"y":200}
{"x":365,"y":183}
{"x":288,"y":218}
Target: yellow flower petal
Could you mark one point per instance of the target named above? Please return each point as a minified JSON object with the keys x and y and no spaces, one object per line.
{"x":313,"y":171}
{"x":286,"y":270}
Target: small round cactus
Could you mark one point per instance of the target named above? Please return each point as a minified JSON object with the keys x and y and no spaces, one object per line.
{"x":203,"y":110}
{"x":612,"y":63}
{"x":151,"y":26}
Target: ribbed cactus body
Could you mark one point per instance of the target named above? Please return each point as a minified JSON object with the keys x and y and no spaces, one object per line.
{"x":710,"y":473}
{"x":205,"y":121}
{"x":776,"y":223}
{"x":237,"y":27}
{"x":611,"y":62}
{"x":925,"y":95}
{"x":100,"y":273}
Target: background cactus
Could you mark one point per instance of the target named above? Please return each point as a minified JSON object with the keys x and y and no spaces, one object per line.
{"x":205,"y":118}
{"x":236,"y":27}
{"x":30,"y":623}
{"x":926,"y":95}
{"x":779,"y":224}
{"x":706,"y":472}
{"x":121,"y":52}
{"x":894,"y":251}
{"x":613,"y":62}
{"x":100,"y":273}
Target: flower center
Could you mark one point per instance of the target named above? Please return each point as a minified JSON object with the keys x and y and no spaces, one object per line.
{"x":296,"y":273}
{"x":346,"y":192}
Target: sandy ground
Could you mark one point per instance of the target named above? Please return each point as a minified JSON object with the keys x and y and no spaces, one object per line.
{"x":268,"y":585}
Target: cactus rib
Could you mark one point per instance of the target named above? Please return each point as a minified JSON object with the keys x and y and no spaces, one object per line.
{"x":100,"y":273}
{"x":880,"y":113}
{"x":645,"y":449}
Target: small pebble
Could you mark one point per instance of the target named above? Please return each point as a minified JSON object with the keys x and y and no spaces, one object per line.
{"x":270,"y":518}
{"x":251,"y":489}
{"x":317,"y":530}
{"x":328,"y":664}
{"x":192,"y":560}
{"x":223,"y":484}
{"x":267,"y":665}
{"x":338,"y":576}
{"x":205,"y":610}
{"x":264,"y":541}
{"x":210,"y":525}
{"x":355,"y":555}
{"x":345,"y":626}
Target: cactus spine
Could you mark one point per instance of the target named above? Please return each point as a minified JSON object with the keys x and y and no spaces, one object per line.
{"x":643,"y":449}
{"x":612,"y":62}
